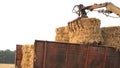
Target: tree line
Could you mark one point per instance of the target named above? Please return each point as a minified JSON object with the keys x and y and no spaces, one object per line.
{"x":7,"y":56}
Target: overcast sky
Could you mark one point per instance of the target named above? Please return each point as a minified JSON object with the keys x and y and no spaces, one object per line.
{"x":23,"y":21}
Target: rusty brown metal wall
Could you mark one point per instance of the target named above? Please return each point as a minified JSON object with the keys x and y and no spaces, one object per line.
{"x":66,"y":55}
{"x":18,"y":56}
{"x":39,"y":54}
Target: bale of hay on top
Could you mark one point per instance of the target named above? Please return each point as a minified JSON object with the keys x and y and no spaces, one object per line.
{"x":85,"y":31}
{"x":62,"y":34}
{"x":28,"y":56}
{"x":111,"y":36}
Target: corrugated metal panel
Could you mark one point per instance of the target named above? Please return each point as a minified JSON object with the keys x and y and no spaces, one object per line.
{"x":67,"y":55}
{"x":55,"y":55}
{"x":76,"y":56}
{"x":18,"y":56}
{"x":39,"y":54}
{"x":95,"y":57}
{"x":112,"y":58}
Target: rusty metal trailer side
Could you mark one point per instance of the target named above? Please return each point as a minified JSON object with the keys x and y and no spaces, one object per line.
{"x":67,"y":55}
{"x":18,"y":56}
{"x":50,"y":54}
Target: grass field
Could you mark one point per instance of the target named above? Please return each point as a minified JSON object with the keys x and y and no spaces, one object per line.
{"x":7,"y":66}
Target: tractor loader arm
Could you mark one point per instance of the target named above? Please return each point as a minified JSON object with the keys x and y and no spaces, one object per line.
{"x":110,"y":7}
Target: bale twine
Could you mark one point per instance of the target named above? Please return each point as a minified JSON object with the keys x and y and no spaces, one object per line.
{"x":111,"y":36}
{"x":85,"y":31}
{"x":28,"y":56}
{"x":62,"y":34}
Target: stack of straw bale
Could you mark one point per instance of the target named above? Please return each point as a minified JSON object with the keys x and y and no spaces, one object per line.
{"x":28,"y":56}
{"x":85,"y":31}
{"x":111,"y":36}
{"x":62,"y":34}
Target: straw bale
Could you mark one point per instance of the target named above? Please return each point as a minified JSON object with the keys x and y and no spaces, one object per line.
{"x":28,"y":56}
{"x":85,"y":30}
{"x":62,"y":34}
{"x":111,"y":36}
{"x":63,"y":29}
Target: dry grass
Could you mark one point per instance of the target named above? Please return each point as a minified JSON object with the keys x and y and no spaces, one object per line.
{"x":7,"y":66}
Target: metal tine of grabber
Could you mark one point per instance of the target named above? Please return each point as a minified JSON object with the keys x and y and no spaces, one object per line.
{"x":73,"y":28}
{"x":70,"y":26}
{"x":80,"y":23}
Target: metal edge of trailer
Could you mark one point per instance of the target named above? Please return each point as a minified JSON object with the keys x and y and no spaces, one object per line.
{"x":94,"y":45}
{"x":18,"y":56}
{"x":69,"y":55}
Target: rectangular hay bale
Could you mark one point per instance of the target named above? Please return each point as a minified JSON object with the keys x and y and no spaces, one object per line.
{"x":62,"y":34}
{"x":85,"y":30}
{"x":111,"y":36}
{"x":28,"y":56}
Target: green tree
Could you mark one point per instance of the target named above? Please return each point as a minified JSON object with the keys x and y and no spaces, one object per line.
{"x":7,"y":56}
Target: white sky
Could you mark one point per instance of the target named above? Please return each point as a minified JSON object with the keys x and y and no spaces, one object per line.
{"x":23,"y":21}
